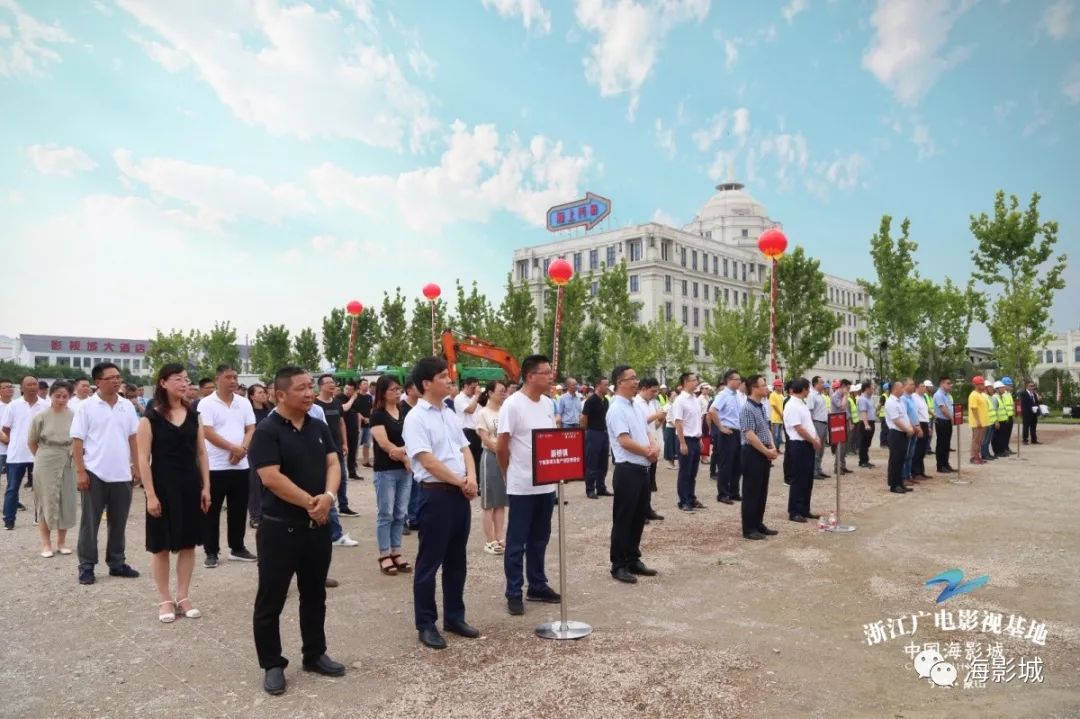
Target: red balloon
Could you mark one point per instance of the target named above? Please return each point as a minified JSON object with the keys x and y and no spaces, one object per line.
{"x":772,"y":243}
{"x":432,"y":291}
{"x":560,"y":271}
{"x":354,"y":308}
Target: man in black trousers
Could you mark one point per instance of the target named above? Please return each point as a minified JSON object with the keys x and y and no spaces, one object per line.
{"x":296,"y":459}
{"x":1029,"y":407}
{"x":757,"y":456}
{"x":803,"y":445}
{"x":900,"y":430}
{"x":597,"y":445}
{"x":943,"y":427}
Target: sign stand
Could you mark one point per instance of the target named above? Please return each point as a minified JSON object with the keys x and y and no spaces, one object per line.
{"x":564,"y":628}
{"x":838,"y":436}
{"x":958,"y":422}
{"x":1017,"y":410}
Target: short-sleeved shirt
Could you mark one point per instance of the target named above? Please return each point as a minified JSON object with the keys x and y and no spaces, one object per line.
{"x":625,"y":417}
{"x":363,"y":405}
{"x":3,"y":409}
{"x":894,"y":410}
{"x":351,"y":415}
{"x":299,"y":453}
{"x":334,"y":411}
{"x":230,"y":421}
{"x":394,"y":428}
{"x":921,"y":408}
{"x":518,"y":417}
{"x":17,"y":417}
{"x":865,"y":404}
{"x":429,"y":428}
{"x":941,"y":397}
{"x":461,"y":403}
{"x":776,"y":407}
{"x":487,"y":420}
{"x":649,"y":409}
{"x":106,"y":432}
{"x":595,"y":408}
{"x":977,"y":409}
{"x":569,"y":408}
{"x":797,"y":413}
{"x":688,"y":409}
{"x":910,"y":407}
{"x":755,"y":418}
{"x":727,"y":405}
{"x":816,"y":404}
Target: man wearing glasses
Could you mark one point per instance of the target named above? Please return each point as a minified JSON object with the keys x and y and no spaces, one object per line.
{"x":103,"y":450}
{"x":758,"y":453}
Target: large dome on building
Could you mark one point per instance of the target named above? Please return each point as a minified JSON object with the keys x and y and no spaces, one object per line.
{"x":731,"y":216}
{"x":730,"y":200}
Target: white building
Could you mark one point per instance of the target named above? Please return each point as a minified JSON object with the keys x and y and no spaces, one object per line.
{"x":1063,"y":352}
{"x":711,"y":262}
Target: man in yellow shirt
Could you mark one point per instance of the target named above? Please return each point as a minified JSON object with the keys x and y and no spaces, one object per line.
{"x":776,"y":412}
{"x":978,"y":418}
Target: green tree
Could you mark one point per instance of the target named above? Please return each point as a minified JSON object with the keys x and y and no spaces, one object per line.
{"x":335,"y":337}
{"x":738,"y":337}
{"x":218,"y":347}
{"x":576,"y":308}
{"x":1015,"y":256}
{"x":473,"y":313}
{"x":592,"y":337}
{"x":1053,"y":379}
{"x":395,"y":347}
{"x":368,"y":336}
{"x":306,"y":350}
{"x":176,"y":346}
{"x":943,"y":334}
{"x":515,"y":320}
{"x":804,"y":324}
{"x":270,"y":351}
{"x":672,"y":346}
{"x":625,"y":339}
{"x":419,"y":333}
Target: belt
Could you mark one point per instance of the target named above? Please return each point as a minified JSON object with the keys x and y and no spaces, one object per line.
{"x":47,"y":443}
{"x":293,"y":523}
{"x":440,"y":486}
{"x":632,"y":465}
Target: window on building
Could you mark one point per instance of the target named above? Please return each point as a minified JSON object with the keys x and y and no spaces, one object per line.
{"x":667,"y":311}
{"x":708,"y":234}
{"x":725,"y":267}
{"x":744,"y":272}
{"x":685,"y":316}
{"x":523,"y":269}
{"x":682,"y":256}
{"x":727,"y":297}
{"x":611,"y":256}
{"x":745,"y":298}
{"x":745,"y":232}
{"x":715,"y":264}
{"x":135,"y":365}
{"x":830,"y":294}
{"x":40,"y":360}
{"x":697,"y":317}
{"x":705,"y":291}
{"x":706,"y":317}
{"x":593,"y":289}
{"x":547,"y":263}
{"x":577,"y":262}
{"x":697,"y":345}
{"x":1076,"y":354}
{"x":667,"y":283}
{"x":695,"y":290}
{"x":684,"y":288}
{"x":665,"y":250}
{"x":635,"y":250}
{"x":693,"y":260}
{"x":633,"y":283}
{"x":594,"y":259}
{"x":1059,"y":356}
{"x":64,"y":361}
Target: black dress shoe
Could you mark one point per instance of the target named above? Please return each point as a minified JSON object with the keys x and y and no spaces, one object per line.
{"x":639,"y":568}
{"x":123,"y":571}
{"x":821,"y":475}
{"x":431,"y":638}
{"x":462,"y":629}
{"x":845,"y":471}
{"x":515,"y":606}
{"x":754,"y":535}
{"x":909,"y":489}
{"x":767,"y":532}
{"x":683,"y":507}
{"x":274,"y":681}
{"x":811,"y":515}
{"x":547,"y":595}
{"x":654,"y":515}
{"x":623,"y":574}
{"x":604,"y":493}
{"x":736,"y":497}
{"x":326,"y":666}
{"x":591,"y":495}
{"x":698,"y":505}
{"x":897,"y":490}
{"x":798,"y":518}
{"x":724,"y":500}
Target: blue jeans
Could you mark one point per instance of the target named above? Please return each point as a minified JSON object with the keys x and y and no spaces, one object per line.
{"x":392,"y":494}
{"x":336,"y":531}
{"x":777,"y":434}
{"x":342,"y":498}
{"x":905,"y":473}
{"x":15,"y":473}
{"x":527,"y":535}
{"x":671,"y":444}
{"x":688,"y":468}
{"x":988,"y":437}
{"x":414,"y":502}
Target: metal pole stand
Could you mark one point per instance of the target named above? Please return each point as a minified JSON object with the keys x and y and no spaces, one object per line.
{"x":959,"y":460}
{"x":840,"y":527}
{"x":564,"y":628}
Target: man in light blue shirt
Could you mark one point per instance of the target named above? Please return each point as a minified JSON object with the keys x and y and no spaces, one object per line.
{"x":569,"y":406}
{"x":634,"y":450}
{"x":912,"y":412}
{"x":819,"y":413}
{"x":727,"y":438}
{"x":943,"y":413}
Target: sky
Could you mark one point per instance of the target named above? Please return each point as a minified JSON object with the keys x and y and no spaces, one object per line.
{"x":168,"y":164}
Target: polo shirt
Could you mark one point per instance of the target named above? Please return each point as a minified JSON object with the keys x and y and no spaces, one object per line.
{"x":755,"y":418}
{"x":570,"y":409}
{"x":796,"y":413}
{"x":518,"y":417}
{"x":816,"y":404}
{"x":776,"y":407}
{"x":688,"y":410}
{"x":461,"y":403}
{"x":230,"y":421}
{"x":921,"y":409}
{"x":105,"y":432}
{"x":865,"y":405}
{"x":595,"y":408}
{"x":727,"y":407}
{"x":941,"y":397}
{"x":894,"y":411}
{"x":17,"y":417}
{"x":624,"y":417}
{"x":298,"y":452}
{"x":428,"y":428}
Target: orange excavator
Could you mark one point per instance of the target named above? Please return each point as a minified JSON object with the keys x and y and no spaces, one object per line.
{"x":454,"y":344}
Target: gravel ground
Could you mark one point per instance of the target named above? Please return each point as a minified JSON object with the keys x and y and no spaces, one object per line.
{"x":730,"y":628}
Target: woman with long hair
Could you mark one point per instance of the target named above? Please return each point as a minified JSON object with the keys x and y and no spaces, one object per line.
{"x":54,"y":487}
{"x":260,"y":404}
{"x":176,"y":477}
{"x":493,"y":499}
{"x":393,"y":475}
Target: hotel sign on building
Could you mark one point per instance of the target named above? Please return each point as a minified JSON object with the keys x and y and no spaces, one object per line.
{"x":81,"y":351}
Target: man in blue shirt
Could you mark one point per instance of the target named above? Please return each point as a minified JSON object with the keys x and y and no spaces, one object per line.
{"x":908,"y":400}
{"x":943,"y":413}
{"x":727,"y":438}
{"x":568,"y":408}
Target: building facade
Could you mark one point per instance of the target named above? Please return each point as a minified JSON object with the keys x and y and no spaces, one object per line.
{"x":686,"y":274}
{"x":1063,"y":352}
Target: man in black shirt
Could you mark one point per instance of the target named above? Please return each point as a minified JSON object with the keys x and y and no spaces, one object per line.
{"x":364,"y":404}
{"x":352,"y":428}
{"x":597,"y":445}
{"x":334,"y":408}
{"x":298,"y":465}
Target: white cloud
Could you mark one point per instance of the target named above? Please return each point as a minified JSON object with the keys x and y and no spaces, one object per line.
{"x":631,"y":34}
{"x":731,"y":54}
{"x":27,"y":45}
{"x":665,"y":138}
{"x":793,"y":8}
{"x":1055,"y":20}
{"x":170,"y":59}
{"x":844,"y":173}
{"x":294,"y":70}
{"x":479,"y":174}
{"x":421,"y":63}
{"x":54,"y":160}
{"x":1003,"y":109}
{"x":218,"y":195}
{"x":665,"y":219}
{"x":532,"y":13}
{"x":1070,"y":84}
{"x":714,"y":132}
{"x":1040,"y":117}
{"x":924,"y":143}
{"x":740,"y":125}
{"x":910,"y":51}
{"x":14,"y":197}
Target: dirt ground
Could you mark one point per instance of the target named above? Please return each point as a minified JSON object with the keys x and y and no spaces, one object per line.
{"x":729,"y":628}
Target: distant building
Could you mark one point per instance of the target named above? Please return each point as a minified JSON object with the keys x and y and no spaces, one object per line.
{"x":1062,"y":352}
{"x":687,"y":273}
{"x":84,"y":352}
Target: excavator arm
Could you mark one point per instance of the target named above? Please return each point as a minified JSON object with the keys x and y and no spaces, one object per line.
{"x":453,"y":345}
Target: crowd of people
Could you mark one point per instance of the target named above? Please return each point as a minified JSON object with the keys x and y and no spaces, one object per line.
{"x":278,"y":458}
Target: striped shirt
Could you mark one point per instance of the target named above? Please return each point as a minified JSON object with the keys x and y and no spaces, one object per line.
{"x":755,"y":418}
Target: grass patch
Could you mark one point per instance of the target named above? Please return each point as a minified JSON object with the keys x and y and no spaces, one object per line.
{"x":1059,"y":420}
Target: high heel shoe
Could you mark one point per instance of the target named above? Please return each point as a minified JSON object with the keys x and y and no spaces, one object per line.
{"x":192,"y":613}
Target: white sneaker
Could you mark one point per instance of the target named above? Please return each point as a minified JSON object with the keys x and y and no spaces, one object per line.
{"x":346,"y":541}
{"x":490,"y":547}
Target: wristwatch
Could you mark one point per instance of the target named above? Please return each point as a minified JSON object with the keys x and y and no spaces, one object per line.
{"x":333,"y":498}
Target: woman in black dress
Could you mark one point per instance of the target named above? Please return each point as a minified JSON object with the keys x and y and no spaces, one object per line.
{"x":176,"y":477}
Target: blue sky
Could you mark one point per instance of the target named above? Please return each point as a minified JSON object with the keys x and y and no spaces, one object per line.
{"x":172,"y":164}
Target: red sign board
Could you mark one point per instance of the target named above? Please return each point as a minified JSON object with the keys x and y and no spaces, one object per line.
{"x":1018,"y":409}
{"x":558,"y":455}
{"x":838,"y":427}
{"x":958,"y":414}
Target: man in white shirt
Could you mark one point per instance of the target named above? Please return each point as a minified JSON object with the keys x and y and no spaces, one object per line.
{"x":103,"y":450}
{"x":922,"y":410}
{"x":14,"y":432}
{"x":819,"y":414}
{"x":81,"y":394}
{"x":7,"y":392}
{"x":466,"y":405}
{"x":687,"y":413}
{"x":803,"y":444}
{"x":228,"y":422}
{"x":646,"y":400}
{"x":900,"y":430}
{"x":443,"y":464}
{"x":529,"y":527}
